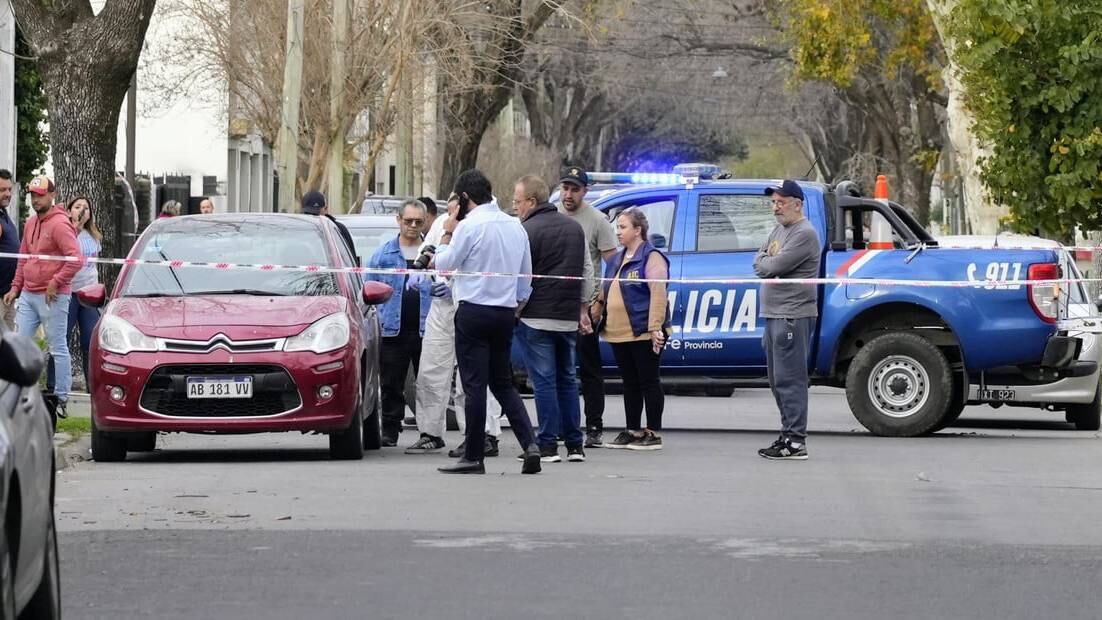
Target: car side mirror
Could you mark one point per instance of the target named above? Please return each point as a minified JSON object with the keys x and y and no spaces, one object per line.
{"x":376,"y":293}
{"x":93,"y":295}
{"x":658,"y":240}
{"x":21,"y":362}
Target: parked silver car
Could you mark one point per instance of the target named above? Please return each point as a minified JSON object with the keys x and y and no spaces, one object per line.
{"x":29,"y":577}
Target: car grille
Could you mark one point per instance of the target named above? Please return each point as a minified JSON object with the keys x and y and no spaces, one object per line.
{"x":274,"y":391}
{"x":221,"y":342}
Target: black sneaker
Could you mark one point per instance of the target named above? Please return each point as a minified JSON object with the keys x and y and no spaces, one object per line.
{"x":390,"y":440}
{"x":531,"y":460}
{"x":575,"y":454}
{"x":593,"y":439}
{"x":62,"y":412}
{"x":458,"y":451}
{"x":623,"y":440}
{"x":491,"y":446}
{"x":550,"y":454}
{"x":785,"y":450}
{"x":427,"y":444}
{"x":649,"y":441}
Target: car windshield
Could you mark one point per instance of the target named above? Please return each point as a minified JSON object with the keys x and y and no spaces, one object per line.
{"x":369,"y":239}
{"x":271,"y":240}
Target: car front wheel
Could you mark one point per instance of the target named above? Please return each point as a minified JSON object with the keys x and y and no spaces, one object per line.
{"x":348,"y":444}
{"x":107,"y":448}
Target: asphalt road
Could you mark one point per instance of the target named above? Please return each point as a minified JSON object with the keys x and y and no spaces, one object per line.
{"x":996,"y":518}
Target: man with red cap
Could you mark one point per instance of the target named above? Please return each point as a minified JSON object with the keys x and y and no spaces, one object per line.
{"x":43,"y":286}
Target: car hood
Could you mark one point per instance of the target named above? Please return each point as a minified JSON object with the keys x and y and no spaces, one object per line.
{"x":239,"y":317}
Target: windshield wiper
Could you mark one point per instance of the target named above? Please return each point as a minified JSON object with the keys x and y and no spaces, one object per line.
{"x":150,"y":295}
{"x":171,"y":269}
{"x":240,"y":291}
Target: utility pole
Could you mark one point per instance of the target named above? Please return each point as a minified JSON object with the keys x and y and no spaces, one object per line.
{"x":7,"y":88}
{"x":131,"y":128}
{"x":292,"y":94}
{"x":336,"y":99}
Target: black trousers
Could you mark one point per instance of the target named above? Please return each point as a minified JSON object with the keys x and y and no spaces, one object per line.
{"x":593,"y":384}
{"x":396,"y":353}
{"x":642,"y":383}
{"x":483,"y":341}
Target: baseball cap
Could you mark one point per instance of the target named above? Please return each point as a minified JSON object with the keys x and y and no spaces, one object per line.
{"x":40,"y":185}
{"x":575,"y":175}
{"x":788,"y":189}
{"x":313,"y":202}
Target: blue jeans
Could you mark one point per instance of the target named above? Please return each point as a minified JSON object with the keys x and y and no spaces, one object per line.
{"x":83,"y":318}
{"x":549,"y":357}
{"x":33,"y":311}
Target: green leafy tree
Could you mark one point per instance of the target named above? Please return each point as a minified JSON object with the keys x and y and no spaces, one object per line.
{"x":32,"y":142}
{"x":1032,"y":73}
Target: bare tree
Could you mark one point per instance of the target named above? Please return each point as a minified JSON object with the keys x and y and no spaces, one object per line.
{"x":86,"y":62}
{"x":239,"y":45}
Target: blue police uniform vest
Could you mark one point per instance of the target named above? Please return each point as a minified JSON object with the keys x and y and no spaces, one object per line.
{"x":636,"y":294}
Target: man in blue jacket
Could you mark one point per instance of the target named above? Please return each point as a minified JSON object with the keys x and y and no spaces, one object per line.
{"x":403,"y":316}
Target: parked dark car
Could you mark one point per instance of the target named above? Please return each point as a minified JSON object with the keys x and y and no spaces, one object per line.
{"x":203,"y":350}
{"x":29,"y":579}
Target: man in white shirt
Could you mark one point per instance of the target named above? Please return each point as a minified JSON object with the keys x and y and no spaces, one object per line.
{"x":438,"y":367}
{"x":487,"y":240}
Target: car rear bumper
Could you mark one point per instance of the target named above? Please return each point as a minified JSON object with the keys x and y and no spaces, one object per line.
{"x":285,"y":392}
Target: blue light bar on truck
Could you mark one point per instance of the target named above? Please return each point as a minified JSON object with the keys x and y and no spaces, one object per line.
{"x":697,"y":171}
{"x":682,"y":173}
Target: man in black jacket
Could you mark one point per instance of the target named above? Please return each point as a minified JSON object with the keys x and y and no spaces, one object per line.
{"x":554,"y":314}
{"x":313,"y":203}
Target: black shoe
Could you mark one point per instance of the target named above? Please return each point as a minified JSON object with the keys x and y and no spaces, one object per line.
{"x":62,"y":412}
{"x":390,"y":440}
{"x":427,"y":444}
{"x":785,"y":450}
{"x":410,"y":421}
{"x":458,"y":451}
{"x":491,"y":446}
{"x":623,"y":440}
{"x":550,"y":454}
{"x":575,"y":454}
{"x":463,"y":466}
{"x":531,"y":460}
{"x":593,"y":439}
{"x":649,"y":441}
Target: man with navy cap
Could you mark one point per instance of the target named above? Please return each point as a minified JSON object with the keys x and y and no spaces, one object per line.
{"x":792,"y":251}
{"x":313,"y":203}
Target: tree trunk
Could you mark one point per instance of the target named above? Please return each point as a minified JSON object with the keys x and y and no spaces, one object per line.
{"x":86,"y":62}
{"x":460,"y":153}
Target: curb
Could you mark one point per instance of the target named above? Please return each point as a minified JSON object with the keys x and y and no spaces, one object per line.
{"x":73,"y":452}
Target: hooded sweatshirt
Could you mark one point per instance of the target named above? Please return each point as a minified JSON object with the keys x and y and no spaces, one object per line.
{"x":53,"y":234}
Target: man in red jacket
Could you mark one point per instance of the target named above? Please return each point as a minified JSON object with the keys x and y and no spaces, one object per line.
{"x":43,"y":286}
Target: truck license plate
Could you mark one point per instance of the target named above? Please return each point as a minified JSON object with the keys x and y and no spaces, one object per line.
{"x":219,"y":387}
{"x":996,"y":395}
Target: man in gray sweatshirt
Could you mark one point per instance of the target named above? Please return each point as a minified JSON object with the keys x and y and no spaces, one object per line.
{"x":792,"y":251}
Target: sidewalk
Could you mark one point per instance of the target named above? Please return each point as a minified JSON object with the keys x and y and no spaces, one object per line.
{"x":72,"y":450}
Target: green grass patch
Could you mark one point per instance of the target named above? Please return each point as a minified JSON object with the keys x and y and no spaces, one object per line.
{"x":75,"y":426}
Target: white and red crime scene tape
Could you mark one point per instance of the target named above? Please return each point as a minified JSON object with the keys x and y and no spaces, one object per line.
{"x":986,"y":283}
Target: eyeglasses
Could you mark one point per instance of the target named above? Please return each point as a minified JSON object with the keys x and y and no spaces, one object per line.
{"x":517,"y":202}
{"x":779,"y":203}
{"x":412,"y":222}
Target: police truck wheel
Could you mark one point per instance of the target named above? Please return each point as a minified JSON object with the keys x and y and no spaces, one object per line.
{"x":1087,"y":417}
{"x":956,"y":405}
{"x":899,"y":385}
{"x":107,"y":448}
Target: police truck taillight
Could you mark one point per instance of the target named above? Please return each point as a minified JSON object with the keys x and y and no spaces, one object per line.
{"x":1045,"y":297}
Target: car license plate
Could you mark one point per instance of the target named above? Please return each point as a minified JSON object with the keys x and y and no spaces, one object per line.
{"x":219,"y":387}
{"x":996,"y":395}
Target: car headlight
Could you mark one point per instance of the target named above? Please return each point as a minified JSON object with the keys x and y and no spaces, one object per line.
{"x":118,"y":336}
{"x":324,"y":335}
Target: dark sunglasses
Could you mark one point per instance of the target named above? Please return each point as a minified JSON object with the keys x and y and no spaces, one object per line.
{"x":412,"y":222}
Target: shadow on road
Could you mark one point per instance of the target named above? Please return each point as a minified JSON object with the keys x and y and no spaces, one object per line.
{"x":234,"y":455}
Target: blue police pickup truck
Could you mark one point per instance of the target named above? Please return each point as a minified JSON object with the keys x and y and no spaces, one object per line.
{"x":910,"y":357}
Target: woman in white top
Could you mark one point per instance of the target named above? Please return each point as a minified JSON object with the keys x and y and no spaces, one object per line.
{"x":90,"y":239}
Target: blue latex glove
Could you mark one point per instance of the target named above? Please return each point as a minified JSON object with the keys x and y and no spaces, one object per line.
{"x":441,"y":289}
